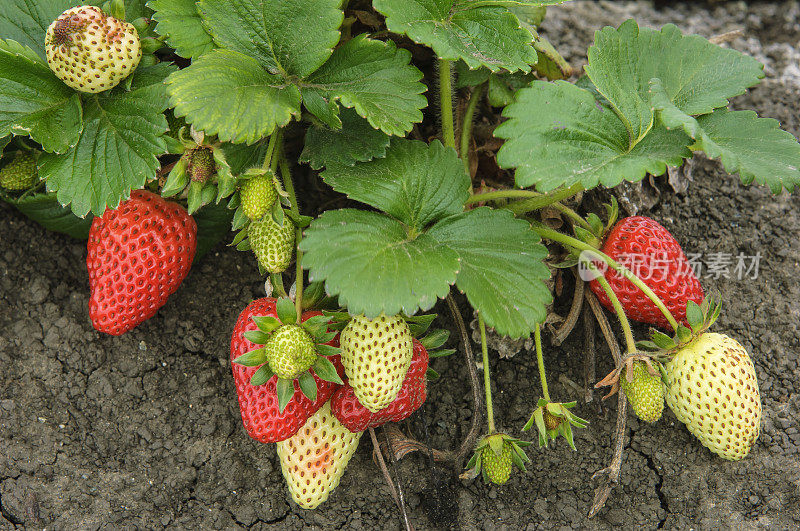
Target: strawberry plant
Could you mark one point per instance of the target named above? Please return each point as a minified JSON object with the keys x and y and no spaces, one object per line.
{"x":216,"y":105}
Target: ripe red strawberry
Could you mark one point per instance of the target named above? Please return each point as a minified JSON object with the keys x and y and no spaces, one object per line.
{"x":651,"y":253}
{"x":138,"y":255}
{"x":357,"y":418}
{"x":261,"y":415}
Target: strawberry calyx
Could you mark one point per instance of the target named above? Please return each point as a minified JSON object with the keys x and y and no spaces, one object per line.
{"x":553,"y":419}
{"x":651,"y":360}
{"x":701,"y":317}
{"x":495,"y":447}
{"x":291,"y":350}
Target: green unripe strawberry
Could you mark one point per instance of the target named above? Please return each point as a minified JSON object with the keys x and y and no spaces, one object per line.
{"x":376,"y":354}
{"x":91,"y":51}
{"x":645,"y":392}
{"x":497,"y":466}
{"x":258,"y":195}
{"x":272,"y":244}
{"x":290,"y":351}
{"x":201,"y":164}
{"x":711,"y":387}
{"x":20,"y":173}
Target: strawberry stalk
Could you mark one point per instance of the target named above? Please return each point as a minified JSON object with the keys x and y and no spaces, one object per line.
{"x":574,"y":243}
{"x":537,"y":336}
{"x":466,"y":124}
{"x":487,"y":381}
{"x":446,"y":102}
{"x":623,"y":319}
{"x":288,"y":185}
{"x":270,"y":161}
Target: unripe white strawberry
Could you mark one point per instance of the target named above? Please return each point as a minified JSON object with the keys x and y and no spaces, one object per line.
{"x":376,"y":354}
{"x":711,"y":387}
{"x":313,"y":459}
{"x":91,"y":51}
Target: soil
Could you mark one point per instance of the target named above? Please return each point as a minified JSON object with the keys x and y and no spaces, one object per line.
{"x":143,"y":430}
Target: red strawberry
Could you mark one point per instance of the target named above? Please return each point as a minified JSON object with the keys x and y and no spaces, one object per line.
{"x":259,"y":404}
{"x":651,"y":253}
{"x":138,"y":255}
{"x":357,"y":418}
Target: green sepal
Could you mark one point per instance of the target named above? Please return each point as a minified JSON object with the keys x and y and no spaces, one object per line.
{"x":431,"y":375}
{"x":286,"y":311}
{"x":325,"y":370}
{"x":308,"y":385}
{"x":140,"y":24}
{"x":317,"y":327}
{"x":435,"y":339}
{"x":473,"y":460}
{"x":262,"y":375}
{"x":200,"y":194}
{"x":662,"y":340}
{"x":419,"y":324}
{"x":285,"y":391}
{"x":277,"y":213}
{"x":254,"y":358}
{"x":441,"y":353}
{"x":266,"y":323}
{"x":596,"y":223}
{"x":243,"y":245}
{"x":115,"y":8}
{"x":313,"y":293}
{"x":324,"y":337}
{"x":517,"y":460}
{"x":256,"y":336}
{"x":177,"y":179}
{"x":327,"y":350}
{"x":276,"y":281}
{"x":496,"y":444}
{"x":300,"y":221}
{"x":150,"y":45}
{"x":694,"y":315}
{"x":647,"y":345}
{"x":684,"y":334}
{"x":612,"y":212}
{"x":240,"y":219}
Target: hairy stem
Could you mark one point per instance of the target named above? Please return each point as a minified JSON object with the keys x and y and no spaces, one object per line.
{"x":487,"y":380}
{"x":288,"y":185}
{"x":574,"y":243}
{"x":537,"y":335}
{"x":446,"y":102}
{"x":466,"y":125}
{"x":543,"y":200}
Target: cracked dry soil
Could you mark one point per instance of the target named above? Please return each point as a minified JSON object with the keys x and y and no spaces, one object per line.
{"x":143,"y":430}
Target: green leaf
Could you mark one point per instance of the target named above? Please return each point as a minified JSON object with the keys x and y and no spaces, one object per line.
{"x":372,"y":263}
{"x":285,"y":391}
{"x":502,"y":268}
{"x":287,"y":37}
{"x":286,"y":311}
{"x":325,"y":370}
{"x":261,"y":376}
{"x":479,"y":34}
{"x":241,"y":156}
{"x":470,"y":78}
{"x":755,"y":148}
{"x":45,"y":210}
{"x":377,"y":80}
{"x":254,"y":358}
{"x":180,"y":22}
{"x":356,"y":141}
{"x":697,"y":76}
{"x":213,"y":225}
{"x":559,"y":135}
{"x":308,"y":385}
{"x":324,"y":107}
{"x":33,"y":101}
{"x":417,"y":183}
{"x":118,"y":148}
{"x":435,"y":339}
{"x":230,"y":95}
{"x":256,"y":336}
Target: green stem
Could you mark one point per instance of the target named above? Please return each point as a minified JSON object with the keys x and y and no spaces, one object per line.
{"x":466,"y":125}
{"x":573,"y":215}
{"x":288,"y":185}
{"x":446,"y":102}
{"x":537,"y":335}
{"x":269,"y":157}
{"x":537,"y":203}
{"x":487,"y":381}
{"x":503,"y":194}
{"x":630,"y":342}
{"x":568,"y":241}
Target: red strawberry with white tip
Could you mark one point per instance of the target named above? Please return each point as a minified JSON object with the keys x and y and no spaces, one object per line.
{"x":357,"y":418}
{"x":652,"y":253}
{"x":258,"y":404}
{"x":138,"y":255}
